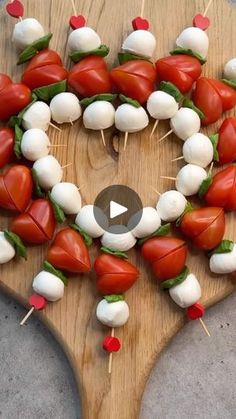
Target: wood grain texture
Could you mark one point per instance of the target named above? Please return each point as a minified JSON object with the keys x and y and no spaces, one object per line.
{"x":154,"y":317}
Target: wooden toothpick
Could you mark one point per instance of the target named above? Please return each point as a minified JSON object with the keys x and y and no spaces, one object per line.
{"x":204,"y":327}
{"x":207,"y":7}
{"x":73,"y":7}
{"x":157,"y":192}
{"x":126,"y":139}
{"x":111,"y":353}
{"x":67,"y":165}
{"x":71,"y":122}
{"x":154,"y":128}
{"x":168,"y":177}
{"x":103,"y":137}
{"x":142,"y":8}
{"x":27,"y":316}
{"x":166,"y":135}
{"x":54,"y":126}
{"x":178,"y":158}
{"x":57,"y":145}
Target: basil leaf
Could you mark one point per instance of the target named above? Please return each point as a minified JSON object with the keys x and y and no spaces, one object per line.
{"x":214,"y":138}
{"x":58,"y":212}
{"x":172,"y":90}
{"x":161,"y":231}
{"x":188,"y":208}
{"x":49,"y":268}
{"x":88,"y":239}
{"x":34,"y":48}
{"x":116,"y":253}
{"x":133,"y":102}
{"x":37,"y":188}
{"x":205,"y":185}
{"x":114,"y":298}
{"x":46,"y":93}
{"x":18,"y":139}
{"x":76,"y":56}
{"x":226,"y":246}
{"x":187,"y":103}
{"x":109,"y":97}
{"x":186,"y":51}
{"x":231,"y":83}
{"x":17,"y":243}
{"x":17,"y":119}
{"x":123,"y":57}
{"x":175,"y":281}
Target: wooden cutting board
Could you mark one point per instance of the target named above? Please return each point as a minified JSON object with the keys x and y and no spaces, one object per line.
{"x":154,"y":317}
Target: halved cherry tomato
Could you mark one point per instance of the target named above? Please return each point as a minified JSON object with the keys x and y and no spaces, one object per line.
{"x":69,"y":252}
{"x":7,"y":140}
{"x":13,"y":98}
{"x":226,"y":146}
{"x":222,"y":191}
{"x":4,"y":81}
{"x":90,"y":76}
{"x":114,"y":275}
{"x":16,"y":188}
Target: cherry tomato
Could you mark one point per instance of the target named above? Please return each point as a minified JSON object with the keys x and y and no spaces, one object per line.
{"x":135,"y":79}
{"x":13,"y":98}
{"x":227,"y":94}
{"x":206,"y":98}
{"x":37,"y":224}
{"x":222,"y":191}
{"x":7,"y":140}
{"x":181,"y":70}
{"x":114,"y":275}
{"x":90,"y":76}
{"x":69,"y":252}
{"x":16,"y":188}
{"x":226,"y":146}
{"x":4,"y":81}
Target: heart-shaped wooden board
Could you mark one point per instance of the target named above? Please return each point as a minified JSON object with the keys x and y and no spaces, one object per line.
{"x":154,"y":317}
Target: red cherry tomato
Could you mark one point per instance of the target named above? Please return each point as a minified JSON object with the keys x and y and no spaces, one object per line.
{"x":69,"y":252}
{"x":222,"y":191}
{"x":181,"y":70}
{"x":207,"y":100}
{"x":4,"y":81}
{"x":90,"y":76}
{"x":114,"y":275}
{"x":16,"y":188}
{"x":13,"y":98}
{"x":227,"y":94}
{"x":135,"y":79}
{"x":44,"y":69}
{"x":7,"y":140}
{"x":204,"y":226}
{"x":226,"y":146}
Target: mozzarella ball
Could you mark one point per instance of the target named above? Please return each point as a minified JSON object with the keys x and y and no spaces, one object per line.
{"x":84,"y":39}
{"x":49,"y":171}
{"x":195,"y":39}
{"x":171,"y":205}
{"x":198,"y":149}
{"x":123,"y":242}
{"x":230,"y":69}
{"x":65,"y":107}
{"x":7,"y":251}
{"x":87,"y":221}
{"x":130,"y":119}
{"x":67,"y":196}
{"x":185,"y":123}
{"x":223,"y":263}
{"x":37,"y":115}
{"x":49,"y":286}
{"x":187,"y":293}
{"x":149,"y":222}
{"x":27,"y":31}
{"x":35,"y":144}
{"x":161,"y":105}
{"x":112,"y":314}
{"x":189,"y":179}
{"x":99,"y":115}
{"x":140,"y":42}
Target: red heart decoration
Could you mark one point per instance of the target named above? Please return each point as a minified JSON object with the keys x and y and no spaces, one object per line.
{"x":195,"y":311}
{"x":16,"y":187}
{"x":37,"y":301}
{"x":77,"y":22}
{"x":111,"y":344}
{"x":201,"y":22}
{"x":140,"y":23}
{"x":15,"y":8}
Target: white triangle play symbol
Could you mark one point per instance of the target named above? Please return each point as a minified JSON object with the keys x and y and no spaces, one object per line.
{"x":116,"y":209}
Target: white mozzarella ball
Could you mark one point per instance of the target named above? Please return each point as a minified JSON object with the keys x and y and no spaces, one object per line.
{"x":140,"y":42}
{"x":7,"y":251}
{"x":185,"y":123}
{"x":149,"y":222}
{"x":35,"y":144}
{"x":37,"y":116}
{"x":187,"y":293}
{"x":223,"y":263}
{"x":49,"y":171}
{"x":189,"y":179}
{"x":84,"y":39}
{"x":195,"y":39}
{"x":99,"y":115}
{"x":27,"y":31}
{"x":130,"y":119}
{"x":123,"y":242}
{"x":65,"y":107}
{"x":171,"y":205}
{"x":230,"y":69}
{"x":67,"y":196}
{"x":87,"y":221}
{"x":49,"y":286}
{"x":198,"y":149}
{"x":161,"y":105}
{"x":112,"y":314}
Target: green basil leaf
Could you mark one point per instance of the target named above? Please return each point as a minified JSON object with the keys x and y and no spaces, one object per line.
{"x":133,"y":102}
{"x":188,"y":208}
{"x":187,"y":103}
{"x":36,"y":46}
{"x":17,"y":243}
{"x":18,"y":139}
{"x":186,"y":51}
{"x":205,"y":185}
{"x":114,"y":298}
{"x":109,"y":97}
{"x":76,"y":56}
{"x":214,"y":138}
{"x":58,"y":212}
{"x":123,"y":57}
{"x":172,"y":90}
{"x":17,"y":119}
{"x":169,"y":283}
{"x":37,"y":188}
{"x":49,"y":268}
{"x":226,"y":246}
{"x":46,"y":93}
{"x":88,"y":239}
{"x":161,"y":231}
{"x":231,"y":83}
{"x":116,"y":253}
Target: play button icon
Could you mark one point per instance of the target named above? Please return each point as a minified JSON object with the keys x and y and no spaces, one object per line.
{"x":116,"y":209}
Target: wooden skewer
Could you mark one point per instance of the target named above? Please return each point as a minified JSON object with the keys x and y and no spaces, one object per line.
{"x":126,"y":139}
{"x":166,"y":135}
{"x":154,"y":128}
{"x":142,"y":8}
{"x":211,"y":167}
{"x":103,"y":137}
{"x":111,"y":353}
{"x":67,"y":165}
{"x":204,"y":327}
{"x":57,"y":145}
{"x":178,"y":158}
{"x":71,"y":122}
{"x":73,"y":7}
{"x":208,"y":7}
{"x":54,"y":126}
{"x":168,"y":177}
{"x":27,"y":316}
{"x":157,"y":192}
